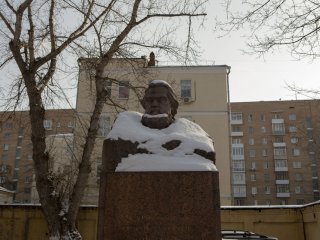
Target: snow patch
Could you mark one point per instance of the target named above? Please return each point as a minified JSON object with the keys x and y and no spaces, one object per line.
{"x":128,"y":127}
{"x":155,"y":116}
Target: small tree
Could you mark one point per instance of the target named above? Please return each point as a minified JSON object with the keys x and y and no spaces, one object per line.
{"x":35,"y":34}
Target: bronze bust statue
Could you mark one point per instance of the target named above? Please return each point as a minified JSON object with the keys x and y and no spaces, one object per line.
{"x":160,"y":104}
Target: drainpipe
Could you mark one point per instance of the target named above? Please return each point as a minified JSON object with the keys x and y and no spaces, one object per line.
{"x":229,"y":132}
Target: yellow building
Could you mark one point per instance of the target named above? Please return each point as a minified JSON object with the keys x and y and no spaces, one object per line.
{"x":6,"y":196}
{"x":204,"y":99}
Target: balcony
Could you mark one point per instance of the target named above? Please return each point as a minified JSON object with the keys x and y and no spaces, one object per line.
{"x":278,"y":120}
{"x":278,"y":133}
{"x":283,"y":195}
{"x":282,"y":181}
{"x":281,"y":169}
{"x":242,"y":194}
{"x":279,"y":144}
{"x":236,"y":134}
{"x":236,"y":121}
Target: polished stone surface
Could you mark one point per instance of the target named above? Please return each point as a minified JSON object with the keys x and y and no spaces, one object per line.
{"x":159,"y":205}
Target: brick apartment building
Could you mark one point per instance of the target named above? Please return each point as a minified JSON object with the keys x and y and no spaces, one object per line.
{"x":275,"y":152}
{"x":16,"y":165}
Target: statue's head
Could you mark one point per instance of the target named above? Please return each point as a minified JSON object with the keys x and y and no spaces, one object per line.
{"x":160,"y":104}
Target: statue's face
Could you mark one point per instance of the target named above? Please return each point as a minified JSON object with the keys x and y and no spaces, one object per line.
{"x":157,"y":101}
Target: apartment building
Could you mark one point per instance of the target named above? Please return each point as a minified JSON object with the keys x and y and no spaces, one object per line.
{"x":275,"y":152}
{"x":16,"y":165}
{"x":202,"y":90}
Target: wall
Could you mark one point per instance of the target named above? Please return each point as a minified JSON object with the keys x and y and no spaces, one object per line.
{"x":26,"y":222}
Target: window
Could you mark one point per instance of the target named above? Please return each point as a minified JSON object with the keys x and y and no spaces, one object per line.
{"x":252,"y":152}
{"x":15,"y":174}
{"x":253,"y":177}
{"x":239,"y":178}
{"x":2,"y":179}
{"x":296,"y":164}
{"x":298,"y":177}
{"x":5,"y":147}
{"x":300,"y":201}
{"x":104,"y":124}
{"x":295,"y":151}
{"x":282,"y":176}
{"x":251,"y":141}
{"x":27,"y":190}
{"x":239,"y":191}
{"x":4,"y":168}
{"x":186,"y":89}
{"x":294,"y":140}
{"x":281,"y":163}
{"x":123,"y":89}
{"x":8,"y":125}
{"x":280,"y":152}
{"x":18,"y":152}
{"x":263,"y":129}
{"x":262,"y":117}
{"x":19,"y":142}
{"x":264,"y":141}
{"x":276,"y":116}
{"x":236,"y":129}
{"x":253,"y":165}
{"x":28,"y":179}
{"x":237,"y":153}
{"x":70,"y":124}
{"x":7,"y":136}
{"x":107,"y":87}
{"x":236,"y":116}
{"x":292,"y":129}
{"x":254,"y":190}
{"x":297,"y":189}
{"x":267,"y":189}
{"x":292,"y":117}
{"x":58,"y":124}
{"x":282,"y":188}
{"x":278,"y":139}
{"x":264,"y":152}
{"x":29,"y":157}
{"x":278,"y":128}
{"x":238,"y":165}
{"x":251,"y":130}
{"x":21,"y":131}
{"x":236,"y":140}
{"x":250,"y":118}
{"x":266,"y":165}
{"x":47,"y":124}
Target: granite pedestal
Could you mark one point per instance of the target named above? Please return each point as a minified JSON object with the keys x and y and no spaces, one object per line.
{"x":159,"y":205}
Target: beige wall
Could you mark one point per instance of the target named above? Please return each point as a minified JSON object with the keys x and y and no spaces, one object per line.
{"x":26,"y":222}
{"x":6,"y":196}
{"x":209,"y":106}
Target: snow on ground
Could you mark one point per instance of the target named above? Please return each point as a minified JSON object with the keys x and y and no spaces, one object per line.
{"x":128,"y":127}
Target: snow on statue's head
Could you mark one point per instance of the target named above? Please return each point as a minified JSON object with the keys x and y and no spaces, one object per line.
{"x":160,"y":104}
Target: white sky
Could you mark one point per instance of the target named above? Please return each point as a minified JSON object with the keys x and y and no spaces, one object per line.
{"x":253,"y":78}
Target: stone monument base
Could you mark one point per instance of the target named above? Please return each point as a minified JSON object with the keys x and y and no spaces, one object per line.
{"x":159,"y":205}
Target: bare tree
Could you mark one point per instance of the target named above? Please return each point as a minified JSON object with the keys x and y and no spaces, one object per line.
{"x":34,"y":35}
{"x":276,"y":23}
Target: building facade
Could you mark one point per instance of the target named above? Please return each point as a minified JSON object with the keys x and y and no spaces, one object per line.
{"x":16,"y":165}
{"x":275,"y":152}
{"x":202,"y":90}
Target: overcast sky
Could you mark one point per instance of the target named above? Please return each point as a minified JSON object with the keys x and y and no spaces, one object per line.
{"x":253,"y":78}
